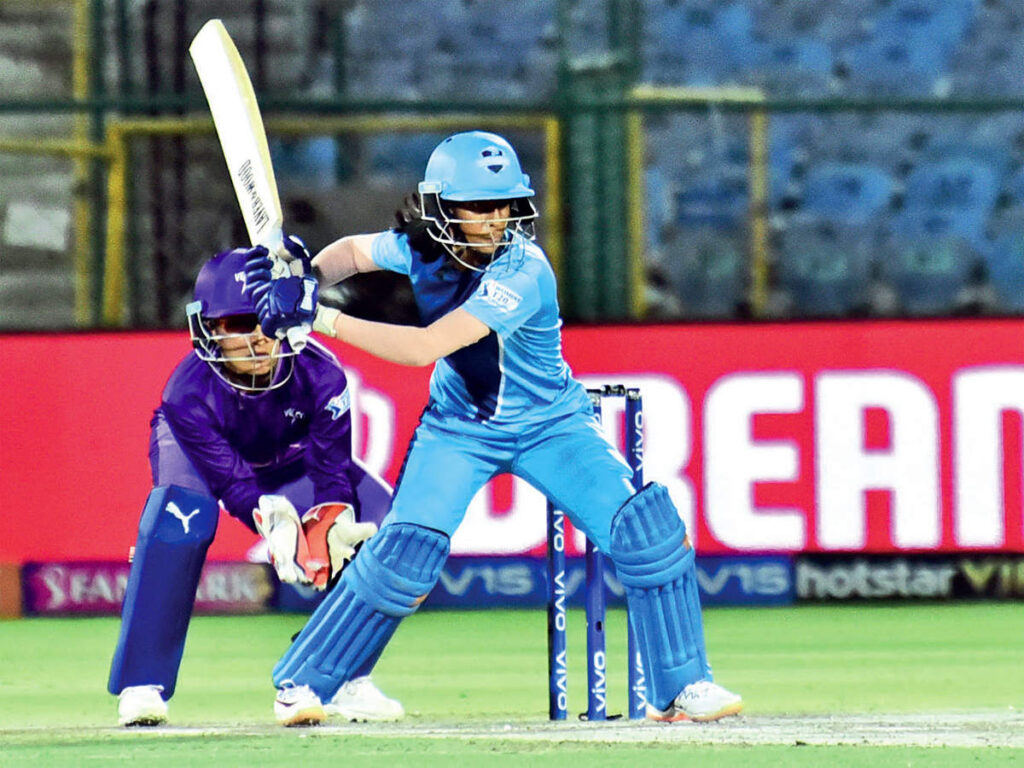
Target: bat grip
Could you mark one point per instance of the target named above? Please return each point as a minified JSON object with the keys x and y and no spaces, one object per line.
{"x":298,"y":337}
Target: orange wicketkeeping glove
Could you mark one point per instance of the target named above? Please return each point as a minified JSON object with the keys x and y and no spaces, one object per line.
{"x":332,"y":535}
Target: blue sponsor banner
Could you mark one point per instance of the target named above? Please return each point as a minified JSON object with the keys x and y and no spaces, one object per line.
{"x":521,"y":582}
{"x":514,"y":582}
{"x":746,"y":580}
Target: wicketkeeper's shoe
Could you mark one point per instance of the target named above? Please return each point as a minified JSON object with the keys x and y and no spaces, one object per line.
{"x":141,"y":705}
{"x":701,"y":701}
{"x":298,"y":705}
{"x":360,"y":700}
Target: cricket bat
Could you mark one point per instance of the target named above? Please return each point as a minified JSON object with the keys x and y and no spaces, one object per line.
{"x":243,"y":139}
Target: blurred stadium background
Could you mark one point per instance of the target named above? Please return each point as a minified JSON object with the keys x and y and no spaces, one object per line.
{"x":765,"y":159}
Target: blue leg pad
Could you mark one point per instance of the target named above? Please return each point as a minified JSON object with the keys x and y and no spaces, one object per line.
{"x":175,"y":532}
{"x":389,"y":578}
{"x":660,"y":578}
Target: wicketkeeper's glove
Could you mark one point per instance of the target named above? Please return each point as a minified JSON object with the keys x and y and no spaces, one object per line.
{"x":332,"y":535}
{"x":278,"y":522}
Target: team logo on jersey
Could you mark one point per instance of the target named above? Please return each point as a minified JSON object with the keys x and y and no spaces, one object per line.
{"x":294,"y":414}
{"x":493,"y":159}
{"x":175,"y":511}
{"x":504,"y":298}
{"x":339,"y":405}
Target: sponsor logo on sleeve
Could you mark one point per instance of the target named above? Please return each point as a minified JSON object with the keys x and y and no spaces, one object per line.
{"x":339,"y":405}
{"x":499,"y":295}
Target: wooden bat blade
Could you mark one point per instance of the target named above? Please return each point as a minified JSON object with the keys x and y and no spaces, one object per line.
{"x":243,"y":139}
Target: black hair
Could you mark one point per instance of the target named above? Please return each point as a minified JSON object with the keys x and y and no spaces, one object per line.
{"x":410,"y":222}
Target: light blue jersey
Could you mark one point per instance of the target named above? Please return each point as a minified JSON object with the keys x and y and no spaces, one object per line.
{"x":515,"y":376}
{"x":507,"y":403}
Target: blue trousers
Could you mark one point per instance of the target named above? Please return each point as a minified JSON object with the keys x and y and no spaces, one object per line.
{"x":569,"y":460}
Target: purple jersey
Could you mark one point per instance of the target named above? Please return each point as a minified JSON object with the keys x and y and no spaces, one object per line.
{"x":243,"y":442}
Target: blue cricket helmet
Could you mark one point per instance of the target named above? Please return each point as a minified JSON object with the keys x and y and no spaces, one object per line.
{"x":475,"y":165}
{"x":469,"y":167}
{"x":220,"y":286}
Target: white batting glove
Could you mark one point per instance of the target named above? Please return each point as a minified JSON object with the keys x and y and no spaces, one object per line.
{"x":278,"y":523}
{"x":333,"y":534}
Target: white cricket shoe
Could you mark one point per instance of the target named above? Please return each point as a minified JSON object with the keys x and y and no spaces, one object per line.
{"x":298,"y":705}
{"x":141,"y":705}
{"x":701,"y":701}
{"x":360,"y":700}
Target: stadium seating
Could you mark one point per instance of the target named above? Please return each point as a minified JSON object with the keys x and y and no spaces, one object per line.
{"x":1005,"y":265}
{"x":928,"y":271}
{"x":721,"y":201}
{"x":400,"y":154}
{"x":708,"y":269}
{"x":951,"y":196}
{"x":824,"y":269}
{"x":790,"y":67}
{"x":929,"y":24}
{"x":846,"y":193}
{"x":695,"y":43}
{"x":885,"y":66}
{"x":833,"y":177}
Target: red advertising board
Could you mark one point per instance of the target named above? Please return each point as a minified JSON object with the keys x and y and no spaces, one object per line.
{"x":860,"y":437}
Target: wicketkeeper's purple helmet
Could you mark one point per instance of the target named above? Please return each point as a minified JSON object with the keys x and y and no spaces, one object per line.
{"x":220,"y":293}
{"x":220,"y":286}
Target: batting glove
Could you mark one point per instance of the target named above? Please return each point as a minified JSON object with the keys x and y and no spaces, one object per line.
{"x":261,"y":267}
{"x":289,"y":302}
{"x":299,"y":261}
{"x":333,"y":535}
{"x":278,"y":523}
{"x":258,"y":271}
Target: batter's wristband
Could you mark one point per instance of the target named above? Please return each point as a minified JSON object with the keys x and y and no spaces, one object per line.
{"x":323,"y":320}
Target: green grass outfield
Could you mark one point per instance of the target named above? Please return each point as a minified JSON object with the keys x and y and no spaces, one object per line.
{"x":835,"y":686}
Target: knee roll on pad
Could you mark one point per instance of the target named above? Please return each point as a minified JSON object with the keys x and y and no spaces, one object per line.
{"x":175,"y":531}
{"x":647,"y":539}
{"x":660,"y":578}
{"x":401,"y":565}
{"x":389,"y":578}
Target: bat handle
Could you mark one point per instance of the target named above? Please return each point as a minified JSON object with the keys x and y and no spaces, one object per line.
{"x":298,"y":336}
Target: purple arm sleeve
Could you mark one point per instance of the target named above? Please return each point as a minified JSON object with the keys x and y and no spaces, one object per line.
{"x":329,"y":456}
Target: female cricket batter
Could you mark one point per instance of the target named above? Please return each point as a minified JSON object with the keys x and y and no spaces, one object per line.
{"x":502,"y":399}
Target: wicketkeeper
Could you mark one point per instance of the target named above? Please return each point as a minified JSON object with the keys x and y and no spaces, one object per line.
{"x":246,"y":424}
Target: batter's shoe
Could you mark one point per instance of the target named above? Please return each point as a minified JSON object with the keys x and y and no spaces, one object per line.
{"x":701,"y":702}
{"x":360,"y":700}
{"x":298,"y":705}
{"x":141,"y":705}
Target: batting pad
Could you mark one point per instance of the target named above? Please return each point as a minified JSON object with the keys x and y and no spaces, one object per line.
{"x":660,"y":578}
{"x":175,"y":532}
{"x":389,"y":578}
